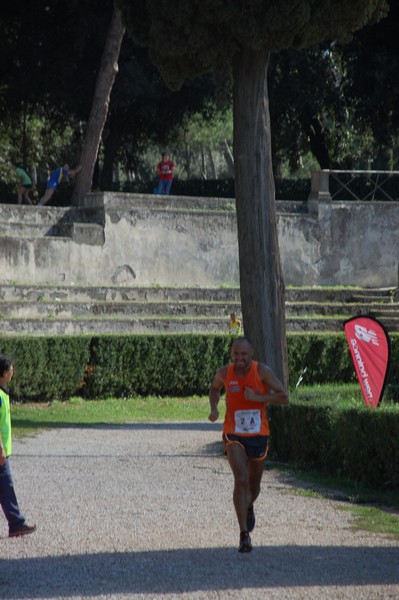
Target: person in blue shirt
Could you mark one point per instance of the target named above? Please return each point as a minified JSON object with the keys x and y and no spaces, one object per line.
{"x":54,"y":179}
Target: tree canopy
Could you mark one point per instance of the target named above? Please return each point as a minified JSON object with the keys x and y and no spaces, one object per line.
{"x":186,"y":38}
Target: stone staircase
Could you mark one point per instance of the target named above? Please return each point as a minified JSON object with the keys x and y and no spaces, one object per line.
{"x":56,"y":309}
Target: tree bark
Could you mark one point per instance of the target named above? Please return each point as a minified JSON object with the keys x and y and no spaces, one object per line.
{"x":261,"y":280}
{"x":99,"y":110}
{"x":111,"y":145}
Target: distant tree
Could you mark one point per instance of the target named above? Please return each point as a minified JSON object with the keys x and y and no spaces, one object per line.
{"x":372,"y":86}
{"x":144,"y":111}
{"x":49,"y":57}
{"x":189,"y":37}
{"x":99,"y":109}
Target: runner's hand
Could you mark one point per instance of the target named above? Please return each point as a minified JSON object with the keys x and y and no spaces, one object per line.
{"x":213,"y":415}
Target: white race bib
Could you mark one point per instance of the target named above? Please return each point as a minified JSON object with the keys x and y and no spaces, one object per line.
{"x":247,"y":421}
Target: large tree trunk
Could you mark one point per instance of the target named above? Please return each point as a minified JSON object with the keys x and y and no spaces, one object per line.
{"x":261,"y":281}
{"x":105,"y":80}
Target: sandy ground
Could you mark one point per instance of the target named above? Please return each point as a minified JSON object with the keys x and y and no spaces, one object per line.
{"x":145,"y":511}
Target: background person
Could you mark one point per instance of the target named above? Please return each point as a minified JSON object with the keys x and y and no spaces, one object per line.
{"x":165,"y":173}
{"x":249,"y":387}
{"x":54,"y":179}
{"x":25,"y":184}
{"x":16,"y":521}
{"x":234,"y":324}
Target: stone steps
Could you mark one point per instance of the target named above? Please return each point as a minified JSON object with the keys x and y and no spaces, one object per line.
{"x":129,"y":310}
{"x":170,"y":308}
{"x":41,"y":293}
{"x":52,"y":310}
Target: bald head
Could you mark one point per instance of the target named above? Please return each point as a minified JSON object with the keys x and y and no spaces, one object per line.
{"x":242,"y":352}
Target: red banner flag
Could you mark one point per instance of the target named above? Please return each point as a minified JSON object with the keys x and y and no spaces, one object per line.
{"x":370,"y":349}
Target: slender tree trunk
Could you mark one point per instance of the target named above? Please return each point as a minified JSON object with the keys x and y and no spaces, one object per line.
{"x":99,"y":109}
{"x":111,"y":145}
{"x":261,"y":280}
{"x":203,"y":163}
{"x":212,"y":163}
{"x":187,"y":165}
{"x":228,"y":156}
{"x":24,"y":152}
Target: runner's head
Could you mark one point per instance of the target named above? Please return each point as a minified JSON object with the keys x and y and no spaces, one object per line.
{"x":242,"y":353}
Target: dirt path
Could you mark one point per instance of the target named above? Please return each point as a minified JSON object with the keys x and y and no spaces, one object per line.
{"x":145,"y":511}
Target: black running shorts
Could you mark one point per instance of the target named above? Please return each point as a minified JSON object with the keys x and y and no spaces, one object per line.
{"x":255,"y":446}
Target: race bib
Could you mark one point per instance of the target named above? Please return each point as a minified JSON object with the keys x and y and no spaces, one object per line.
{"x":247,"y":421}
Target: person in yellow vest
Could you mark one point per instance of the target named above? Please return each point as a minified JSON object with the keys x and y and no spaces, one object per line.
{"x":250,"y":386}
{"x":8,"y":501}
{"x":234,"y":324}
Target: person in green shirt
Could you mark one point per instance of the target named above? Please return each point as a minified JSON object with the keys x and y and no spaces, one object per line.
{"x":25,"y":184}
{"x":16,"y":521}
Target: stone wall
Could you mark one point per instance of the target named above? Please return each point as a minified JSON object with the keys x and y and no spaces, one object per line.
{"x":144,"y":241}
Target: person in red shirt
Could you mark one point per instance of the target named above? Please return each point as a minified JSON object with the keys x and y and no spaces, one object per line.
{"x":250,"y":386}
{"x":165,"y":173}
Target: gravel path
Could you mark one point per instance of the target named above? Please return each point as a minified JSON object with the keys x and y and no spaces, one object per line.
{"x":145,"y":511}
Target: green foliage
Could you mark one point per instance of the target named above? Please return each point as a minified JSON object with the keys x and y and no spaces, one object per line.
{"x":46,"y":368}
{"x":187,"y":39}
{"x":325,"y":357}
{"x":176,"y":365}
{"x":339,"y":437}
{"x":329,"y":429}
{"x":179,"y":365}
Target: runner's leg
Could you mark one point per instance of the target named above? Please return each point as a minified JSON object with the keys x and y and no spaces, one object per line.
{"x":238,"y":462}
{"x":255,"y":472}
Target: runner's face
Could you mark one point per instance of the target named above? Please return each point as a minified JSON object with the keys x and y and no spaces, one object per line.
{"x":242,"y":355}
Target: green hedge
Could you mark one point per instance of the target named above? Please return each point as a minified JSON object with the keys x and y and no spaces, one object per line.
{"x":332,"y":437}
{"x":180,"y":365}
{"x":352,"y":442}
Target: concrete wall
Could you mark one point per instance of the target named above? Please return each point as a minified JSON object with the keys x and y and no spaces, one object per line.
{"x":342,"y":243}
{"x":143,"y":242}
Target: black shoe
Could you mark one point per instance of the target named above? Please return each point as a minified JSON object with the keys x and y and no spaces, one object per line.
{"x":245,"y":542}
{"x":250,"y":518}
{"x":25,"y":530}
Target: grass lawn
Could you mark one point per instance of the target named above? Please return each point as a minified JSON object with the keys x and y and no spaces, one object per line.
{"x":30,"y":417}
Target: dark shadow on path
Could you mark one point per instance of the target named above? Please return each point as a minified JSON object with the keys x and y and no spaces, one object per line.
{"x":191,"y":570}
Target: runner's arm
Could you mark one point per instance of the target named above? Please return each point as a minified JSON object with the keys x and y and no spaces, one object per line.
{"x":277,"y":393}
{"x":214,"y":393}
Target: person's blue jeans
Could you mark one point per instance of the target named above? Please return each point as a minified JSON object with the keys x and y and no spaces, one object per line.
{"x":8,"y":499}
{"x":164,"y":186}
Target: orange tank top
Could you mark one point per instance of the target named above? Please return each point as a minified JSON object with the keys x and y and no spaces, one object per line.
{"x":244,"y":417}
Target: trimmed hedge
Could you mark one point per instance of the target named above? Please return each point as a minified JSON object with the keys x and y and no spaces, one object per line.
{"x":50,"y":368}
{"x":352,"y":442}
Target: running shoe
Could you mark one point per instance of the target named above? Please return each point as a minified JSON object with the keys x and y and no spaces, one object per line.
{"x":245,"y":542}
{"x":250,"y":518}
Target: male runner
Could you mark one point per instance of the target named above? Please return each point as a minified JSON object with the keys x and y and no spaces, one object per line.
{"x":249,"y":387}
